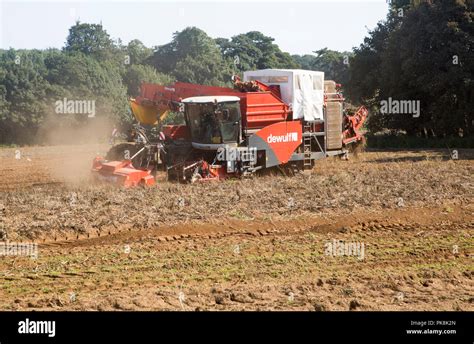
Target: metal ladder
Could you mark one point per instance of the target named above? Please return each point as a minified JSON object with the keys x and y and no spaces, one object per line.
{"x":307,"y":128}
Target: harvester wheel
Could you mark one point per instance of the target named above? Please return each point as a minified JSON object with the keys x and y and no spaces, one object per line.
{"x":288,"y":170}
{"x":175,"y":174}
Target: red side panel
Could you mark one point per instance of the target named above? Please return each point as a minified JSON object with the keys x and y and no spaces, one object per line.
{"x":282,"y":138}
{"x":260,"y":109}
{"x":121,"y":172}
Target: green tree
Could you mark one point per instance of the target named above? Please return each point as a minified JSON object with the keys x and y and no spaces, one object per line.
{"x":137,"y":74}
{"x":426,"y":56}
{"x":192,"y":56}
{"x":83,"y":77}
{"x":22,"y":93}
{"x":90,"y":39}
{"x":254,"y":50}
{"x":138,"y":52}
{"x":305,"y":61}
{"x":365,"y":65}
{"x":334,"y":64}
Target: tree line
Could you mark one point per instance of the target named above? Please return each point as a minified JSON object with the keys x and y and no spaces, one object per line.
{"x":94,"y":67}
{"x":421,"y":52}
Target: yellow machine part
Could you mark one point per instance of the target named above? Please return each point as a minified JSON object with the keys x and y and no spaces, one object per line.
{"x":149,"y":115}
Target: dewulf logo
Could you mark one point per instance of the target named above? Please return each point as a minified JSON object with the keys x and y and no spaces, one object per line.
{"x":289,"y":137}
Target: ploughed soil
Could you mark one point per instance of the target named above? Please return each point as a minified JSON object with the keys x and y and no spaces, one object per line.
{"x":382,"y":231}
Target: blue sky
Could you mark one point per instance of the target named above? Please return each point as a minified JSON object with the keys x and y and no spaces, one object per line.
{"x":298,"y":27}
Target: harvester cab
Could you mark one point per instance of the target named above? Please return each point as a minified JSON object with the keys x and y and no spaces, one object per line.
{"x":213,"y":122}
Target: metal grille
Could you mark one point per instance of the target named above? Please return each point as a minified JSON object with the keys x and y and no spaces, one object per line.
{"x":334,"y":125}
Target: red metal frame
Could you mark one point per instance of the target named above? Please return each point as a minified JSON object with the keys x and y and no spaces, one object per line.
{"x":355,"y":122}
{"x":122,"y":173}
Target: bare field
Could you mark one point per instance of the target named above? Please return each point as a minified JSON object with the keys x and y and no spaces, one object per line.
{"x":249,"y":244}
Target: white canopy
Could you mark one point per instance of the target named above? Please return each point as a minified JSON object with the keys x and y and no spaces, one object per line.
{"x":303,"y":90}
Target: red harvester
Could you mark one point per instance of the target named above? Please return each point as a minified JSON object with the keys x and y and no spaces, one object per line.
{"x":274,"y":118}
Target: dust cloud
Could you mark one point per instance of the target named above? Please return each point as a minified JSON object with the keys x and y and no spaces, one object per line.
{"x":74,"y":144}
